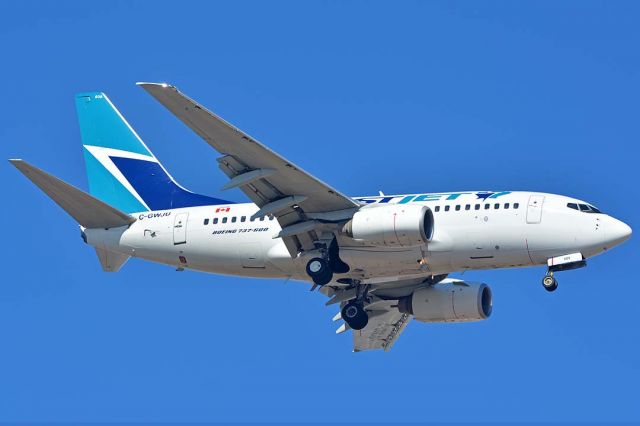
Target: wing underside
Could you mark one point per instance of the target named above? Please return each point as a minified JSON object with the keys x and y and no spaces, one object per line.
{"x":384,"y":327}
{"x":386,"y":322}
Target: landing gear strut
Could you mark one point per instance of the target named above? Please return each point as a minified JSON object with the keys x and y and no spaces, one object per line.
{"x":353,"y":312}
{"x":549,"y":282}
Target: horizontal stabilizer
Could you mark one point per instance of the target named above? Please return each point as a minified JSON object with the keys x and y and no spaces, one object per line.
{"x":85,"y":209}
{"x":111,"y":261}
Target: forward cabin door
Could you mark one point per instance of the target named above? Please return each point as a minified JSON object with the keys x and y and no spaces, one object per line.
{"x":534,"y":208}
{"x":180,"y":228}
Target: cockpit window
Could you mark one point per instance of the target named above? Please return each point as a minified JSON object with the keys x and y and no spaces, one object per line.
{"x":585,"y":208}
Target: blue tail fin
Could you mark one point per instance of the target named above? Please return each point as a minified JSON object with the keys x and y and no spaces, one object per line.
{"x":122,"y":171}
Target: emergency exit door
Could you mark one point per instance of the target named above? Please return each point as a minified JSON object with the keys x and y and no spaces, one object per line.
{"x":534,"y":208}
{"x":180,"y":228}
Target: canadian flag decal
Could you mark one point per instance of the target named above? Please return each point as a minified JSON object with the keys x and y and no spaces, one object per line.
{"x":223,"y":209}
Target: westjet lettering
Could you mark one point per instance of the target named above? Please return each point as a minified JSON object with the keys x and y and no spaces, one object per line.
{"x":404,"y":199}
{"x":384,"y":260}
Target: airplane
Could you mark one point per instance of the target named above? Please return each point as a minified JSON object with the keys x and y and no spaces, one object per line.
{"x":384,"y":259}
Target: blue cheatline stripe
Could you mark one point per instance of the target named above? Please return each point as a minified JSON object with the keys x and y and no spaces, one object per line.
{"x":156,"y":188}
{"x":104,"y":186}
{"x":102,"y":125}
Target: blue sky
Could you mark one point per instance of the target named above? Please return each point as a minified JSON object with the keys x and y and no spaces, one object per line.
{"x":404,"y":98}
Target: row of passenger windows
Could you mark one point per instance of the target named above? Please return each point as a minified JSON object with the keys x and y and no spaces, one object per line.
{"x":458,"y":207}
{"x":234,"y":219}
{"x":487,"y":206}
{"x":586,"y":208}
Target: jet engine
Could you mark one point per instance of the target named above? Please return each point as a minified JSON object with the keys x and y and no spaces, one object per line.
{"x":452,"y":301}
{"x":395,"y":225}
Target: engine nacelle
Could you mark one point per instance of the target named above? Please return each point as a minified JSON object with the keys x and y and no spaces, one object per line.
{"x":452,"y":301}
{"x":395,"y":225}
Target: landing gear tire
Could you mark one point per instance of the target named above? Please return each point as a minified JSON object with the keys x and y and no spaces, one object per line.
{"x":353,"y":313}
{"x":549,"y":283}
{"x":319,"y":271}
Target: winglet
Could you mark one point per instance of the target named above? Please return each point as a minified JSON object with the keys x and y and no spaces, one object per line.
{"x":147,"y":83}
{"x":85,"y":209}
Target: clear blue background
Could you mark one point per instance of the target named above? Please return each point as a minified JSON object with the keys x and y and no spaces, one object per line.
{"x":403,"y":97}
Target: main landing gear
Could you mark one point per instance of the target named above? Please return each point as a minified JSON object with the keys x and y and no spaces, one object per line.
{"x":322,"y":268}
{"x":319,"y":271}
{"x":353,"y":313}
{"x":549,"y":282}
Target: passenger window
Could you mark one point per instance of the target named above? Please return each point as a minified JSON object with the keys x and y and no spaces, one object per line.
{"x":262,"y":219}
{"x":496,"y":206}
{"x":243,"y":218}
{"x":233,"y":219}
{"x":506,"y":205}
{"x":467,"y":207}
{"x":458,"y":207}
{"x":206,"y":221}
{"x":487,"y":206}
{"x":271,"y":217}
{"x":252,"y":219}
{"x":477,"y":206}
{"x":446,"y":208}
{"x":215,"y":220}
{"x":224,"y":220}
{"x":437,"y":208}
{"x":516,"y":205}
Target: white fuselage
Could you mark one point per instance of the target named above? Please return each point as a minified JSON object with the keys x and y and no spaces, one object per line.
{"x":514,"y":229}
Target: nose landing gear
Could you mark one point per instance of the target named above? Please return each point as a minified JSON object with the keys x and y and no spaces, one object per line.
{"x":565,"y":262}
{"x":549,"y":282}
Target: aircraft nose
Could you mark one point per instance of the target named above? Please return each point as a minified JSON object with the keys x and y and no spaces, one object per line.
{"x":617,"y":231}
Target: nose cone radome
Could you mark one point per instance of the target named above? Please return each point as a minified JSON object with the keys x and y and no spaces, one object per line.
{"x":617,"y":231}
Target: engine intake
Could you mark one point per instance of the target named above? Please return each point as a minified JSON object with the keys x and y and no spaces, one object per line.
{"x":392,"y":226}
{"x":454,"y":301}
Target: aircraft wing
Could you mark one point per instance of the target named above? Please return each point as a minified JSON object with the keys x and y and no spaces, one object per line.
{"x":275,"y":184}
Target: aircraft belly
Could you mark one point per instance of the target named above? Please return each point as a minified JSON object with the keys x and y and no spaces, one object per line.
{"x":375,"y":261}
{"x":478,"y":246}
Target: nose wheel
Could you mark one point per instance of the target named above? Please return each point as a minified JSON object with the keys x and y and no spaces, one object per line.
{"x":549,"y":282}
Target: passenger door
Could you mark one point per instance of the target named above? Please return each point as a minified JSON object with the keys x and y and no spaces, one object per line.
{"x":534,"y":208}
{"x":180,"y":228}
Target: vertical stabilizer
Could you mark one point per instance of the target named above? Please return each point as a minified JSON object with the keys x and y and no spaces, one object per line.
{"x":121,"y":170}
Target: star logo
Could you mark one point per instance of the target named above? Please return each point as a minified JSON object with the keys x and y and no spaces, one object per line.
{"x":484,"y":195}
